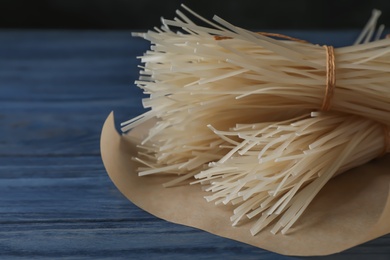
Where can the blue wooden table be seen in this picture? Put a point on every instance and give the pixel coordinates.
(56, 200)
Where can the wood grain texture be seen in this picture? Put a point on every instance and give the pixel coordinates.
(56, 200)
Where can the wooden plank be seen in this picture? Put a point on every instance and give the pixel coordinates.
(72, 202)
(55, 128)
(68, 66)
(55, 189)
(67, 207)
(58, 87)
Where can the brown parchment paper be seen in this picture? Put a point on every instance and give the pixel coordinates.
(351, 209)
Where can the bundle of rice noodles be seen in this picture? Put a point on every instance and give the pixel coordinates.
(233, 108)
(183, 145)
(223, 63)
(275, 169)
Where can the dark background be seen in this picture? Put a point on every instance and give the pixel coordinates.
(142, 14)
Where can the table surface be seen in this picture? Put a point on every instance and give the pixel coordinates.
(56, 200)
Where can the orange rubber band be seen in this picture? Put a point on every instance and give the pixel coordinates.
(330, 78)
